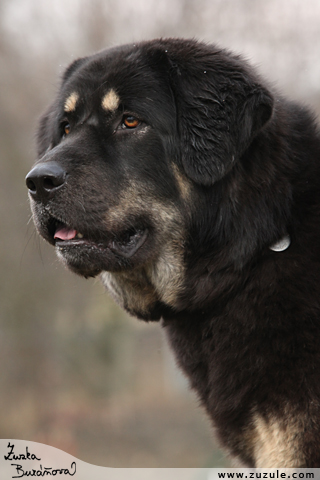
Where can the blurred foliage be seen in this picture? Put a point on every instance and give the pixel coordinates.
(77, 373)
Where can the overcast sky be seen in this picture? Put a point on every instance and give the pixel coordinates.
(282, 36)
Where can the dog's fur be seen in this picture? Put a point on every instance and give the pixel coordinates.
(178, 213)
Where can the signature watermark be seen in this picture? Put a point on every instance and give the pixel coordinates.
(36, 469)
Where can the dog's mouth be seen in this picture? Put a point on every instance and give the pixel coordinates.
(125, 244)
(88, 254)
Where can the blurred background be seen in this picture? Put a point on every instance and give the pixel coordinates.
(76, 372)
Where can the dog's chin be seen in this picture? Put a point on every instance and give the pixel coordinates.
(88, 258)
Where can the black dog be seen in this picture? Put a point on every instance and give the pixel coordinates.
(170, 169)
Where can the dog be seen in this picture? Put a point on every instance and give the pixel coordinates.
(170, 169)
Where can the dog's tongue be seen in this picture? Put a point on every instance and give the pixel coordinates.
(65, 233)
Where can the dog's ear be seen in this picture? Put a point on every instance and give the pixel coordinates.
(221, 106)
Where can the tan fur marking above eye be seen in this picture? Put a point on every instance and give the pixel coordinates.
(110, 101)
(277, 442)
(71, 102)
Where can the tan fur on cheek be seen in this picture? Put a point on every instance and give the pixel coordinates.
(183, 183)
(168, 271)
(161, 278)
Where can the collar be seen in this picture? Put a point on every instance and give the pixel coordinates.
(281, 244)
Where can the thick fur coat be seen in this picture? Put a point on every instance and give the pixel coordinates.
(173, 171)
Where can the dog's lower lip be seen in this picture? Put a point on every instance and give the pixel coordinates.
(74, 241)
(120, 247)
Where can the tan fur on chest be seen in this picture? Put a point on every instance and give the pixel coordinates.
(276, 442)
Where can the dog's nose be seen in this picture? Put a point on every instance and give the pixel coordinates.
(45, 179)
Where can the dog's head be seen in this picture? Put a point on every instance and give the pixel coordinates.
(133, 137)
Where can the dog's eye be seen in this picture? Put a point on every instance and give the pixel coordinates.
(66, 128)
(129, 121)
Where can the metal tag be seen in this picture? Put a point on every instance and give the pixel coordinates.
(282, 244)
